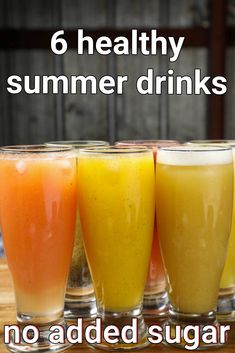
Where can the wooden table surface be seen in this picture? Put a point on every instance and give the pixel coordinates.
(7, 316)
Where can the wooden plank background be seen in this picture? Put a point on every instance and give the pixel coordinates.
(38, 118)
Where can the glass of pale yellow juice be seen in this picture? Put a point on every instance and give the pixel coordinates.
(155, 302)
(116, 195)
(226, 299)
(80, 297)
(194, 200)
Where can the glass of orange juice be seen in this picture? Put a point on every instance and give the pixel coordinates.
(116, 203)
(194, 201)
(80, 297)
(38, 185)
(155, 302)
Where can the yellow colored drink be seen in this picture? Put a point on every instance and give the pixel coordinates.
(228, 276)
(116, 203)
(226, 299)
(194, 196)
(155, 297)
(227, 284)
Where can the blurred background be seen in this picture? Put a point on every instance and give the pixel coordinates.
(26, 28)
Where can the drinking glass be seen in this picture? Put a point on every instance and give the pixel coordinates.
(80, 297)
(1, 245)
(226, 299)
(155, 302)
(194, 200)
(38, 184)
(116, 203)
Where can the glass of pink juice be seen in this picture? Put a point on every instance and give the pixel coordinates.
(155, 295)
(38, 185)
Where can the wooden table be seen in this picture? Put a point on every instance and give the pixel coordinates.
(7, 316)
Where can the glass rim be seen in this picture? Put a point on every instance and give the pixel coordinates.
(114, 149)
(77, 143)
(142, 141)
(212, 142)
(195, 148)
(40, 148)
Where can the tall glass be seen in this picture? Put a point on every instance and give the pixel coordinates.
(38, 184)
(194, 200)
(80, 297)
(155, 302)
(226, 299)
(116, 202)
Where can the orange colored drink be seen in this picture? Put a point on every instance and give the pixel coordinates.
(80, 296)
(38, 196)
(156, 273)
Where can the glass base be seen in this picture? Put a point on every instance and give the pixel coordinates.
(226, 305)
(177, 318)
(120, 320)
(80, 307)
(156, 305)
(43, 344)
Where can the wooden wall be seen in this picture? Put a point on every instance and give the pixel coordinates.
(38, 118)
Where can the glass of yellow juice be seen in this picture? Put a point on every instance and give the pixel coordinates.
(226, 299)
(38, 184)
(116, 193)
(80, 297)
(155, 302)
(194, 201)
